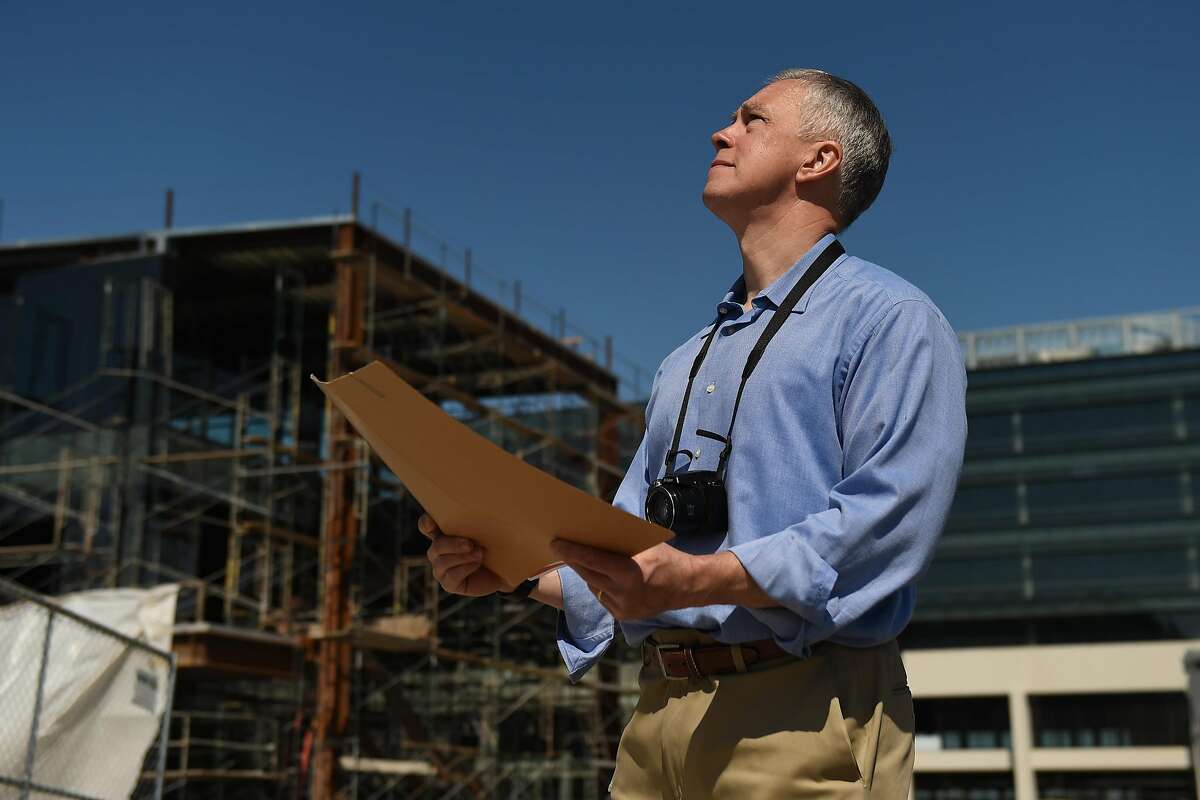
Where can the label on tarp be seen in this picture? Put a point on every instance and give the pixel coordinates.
(145, 690)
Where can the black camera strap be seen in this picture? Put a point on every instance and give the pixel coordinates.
(686, 394)
(815, 270)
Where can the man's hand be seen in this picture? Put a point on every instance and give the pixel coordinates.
(656, 580)
(458, 563)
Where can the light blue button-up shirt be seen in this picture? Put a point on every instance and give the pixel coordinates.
(846, 453)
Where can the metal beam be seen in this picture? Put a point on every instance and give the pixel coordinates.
(496, 378)
(346, 327)
(40, 408)
(484, 342)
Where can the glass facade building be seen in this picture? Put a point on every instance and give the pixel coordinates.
(1069, 570)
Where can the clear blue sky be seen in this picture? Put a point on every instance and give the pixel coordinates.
(1046, 154)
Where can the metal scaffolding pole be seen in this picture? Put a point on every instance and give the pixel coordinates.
(340, 526)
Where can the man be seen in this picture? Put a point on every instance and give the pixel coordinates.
(770, 662)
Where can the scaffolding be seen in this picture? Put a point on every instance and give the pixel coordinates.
(158, 428)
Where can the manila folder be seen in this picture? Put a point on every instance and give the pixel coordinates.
(475, 489)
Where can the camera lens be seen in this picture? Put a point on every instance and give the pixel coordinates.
(659, 508)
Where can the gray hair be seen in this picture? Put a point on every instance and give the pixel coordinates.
(842, 111)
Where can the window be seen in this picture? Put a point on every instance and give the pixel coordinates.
(1093, 426)
(1110, 720)
(1116, 786)
(963, 786)
(970, 723)
(990, 434)
(1104, 499)
(975, 578)
(1113, 572)
(51, 346)
(981, 507)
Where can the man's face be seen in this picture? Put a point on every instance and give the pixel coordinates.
(758, 153)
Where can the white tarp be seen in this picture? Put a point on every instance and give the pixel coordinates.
(103, 700)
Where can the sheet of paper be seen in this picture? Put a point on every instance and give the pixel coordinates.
(474, 488)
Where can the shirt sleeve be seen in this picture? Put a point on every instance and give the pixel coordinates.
(585, 628)
(902, 424)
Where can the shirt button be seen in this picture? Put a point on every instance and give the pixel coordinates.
(710, 388)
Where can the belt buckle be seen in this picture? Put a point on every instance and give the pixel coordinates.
(662, 666)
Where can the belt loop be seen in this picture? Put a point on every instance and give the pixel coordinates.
(739, 661)
(689, 653)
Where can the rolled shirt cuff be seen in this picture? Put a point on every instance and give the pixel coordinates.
(790, 572)
(585, 628)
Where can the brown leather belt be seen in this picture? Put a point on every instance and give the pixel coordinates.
(679, 661)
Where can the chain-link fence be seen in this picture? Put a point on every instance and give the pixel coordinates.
(84, 707)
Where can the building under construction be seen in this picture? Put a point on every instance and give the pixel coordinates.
(157, 424)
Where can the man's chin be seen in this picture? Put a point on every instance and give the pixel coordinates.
(716, 200)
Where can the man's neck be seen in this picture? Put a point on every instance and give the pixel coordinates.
(771, 247)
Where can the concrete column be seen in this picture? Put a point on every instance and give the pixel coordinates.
(1021, 735)
(1191, 663)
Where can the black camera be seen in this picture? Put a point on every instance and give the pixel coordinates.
(689, 503)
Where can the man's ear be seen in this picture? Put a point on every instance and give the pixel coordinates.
(822, 160)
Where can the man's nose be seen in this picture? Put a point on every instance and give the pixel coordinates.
(722, 139)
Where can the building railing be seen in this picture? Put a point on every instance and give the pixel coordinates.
(398, 225)
(1075, 340)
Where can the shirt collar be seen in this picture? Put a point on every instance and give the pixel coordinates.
(779, 288)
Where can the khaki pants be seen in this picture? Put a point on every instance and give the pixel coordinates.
(838, 724)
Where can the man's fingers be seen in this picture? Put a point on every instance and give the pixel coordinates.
(593, 558)
(484, 581)
(428, 527)
(452, 545)
(596, 581)
(453, 558)
(444, 564)
(455, 577)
